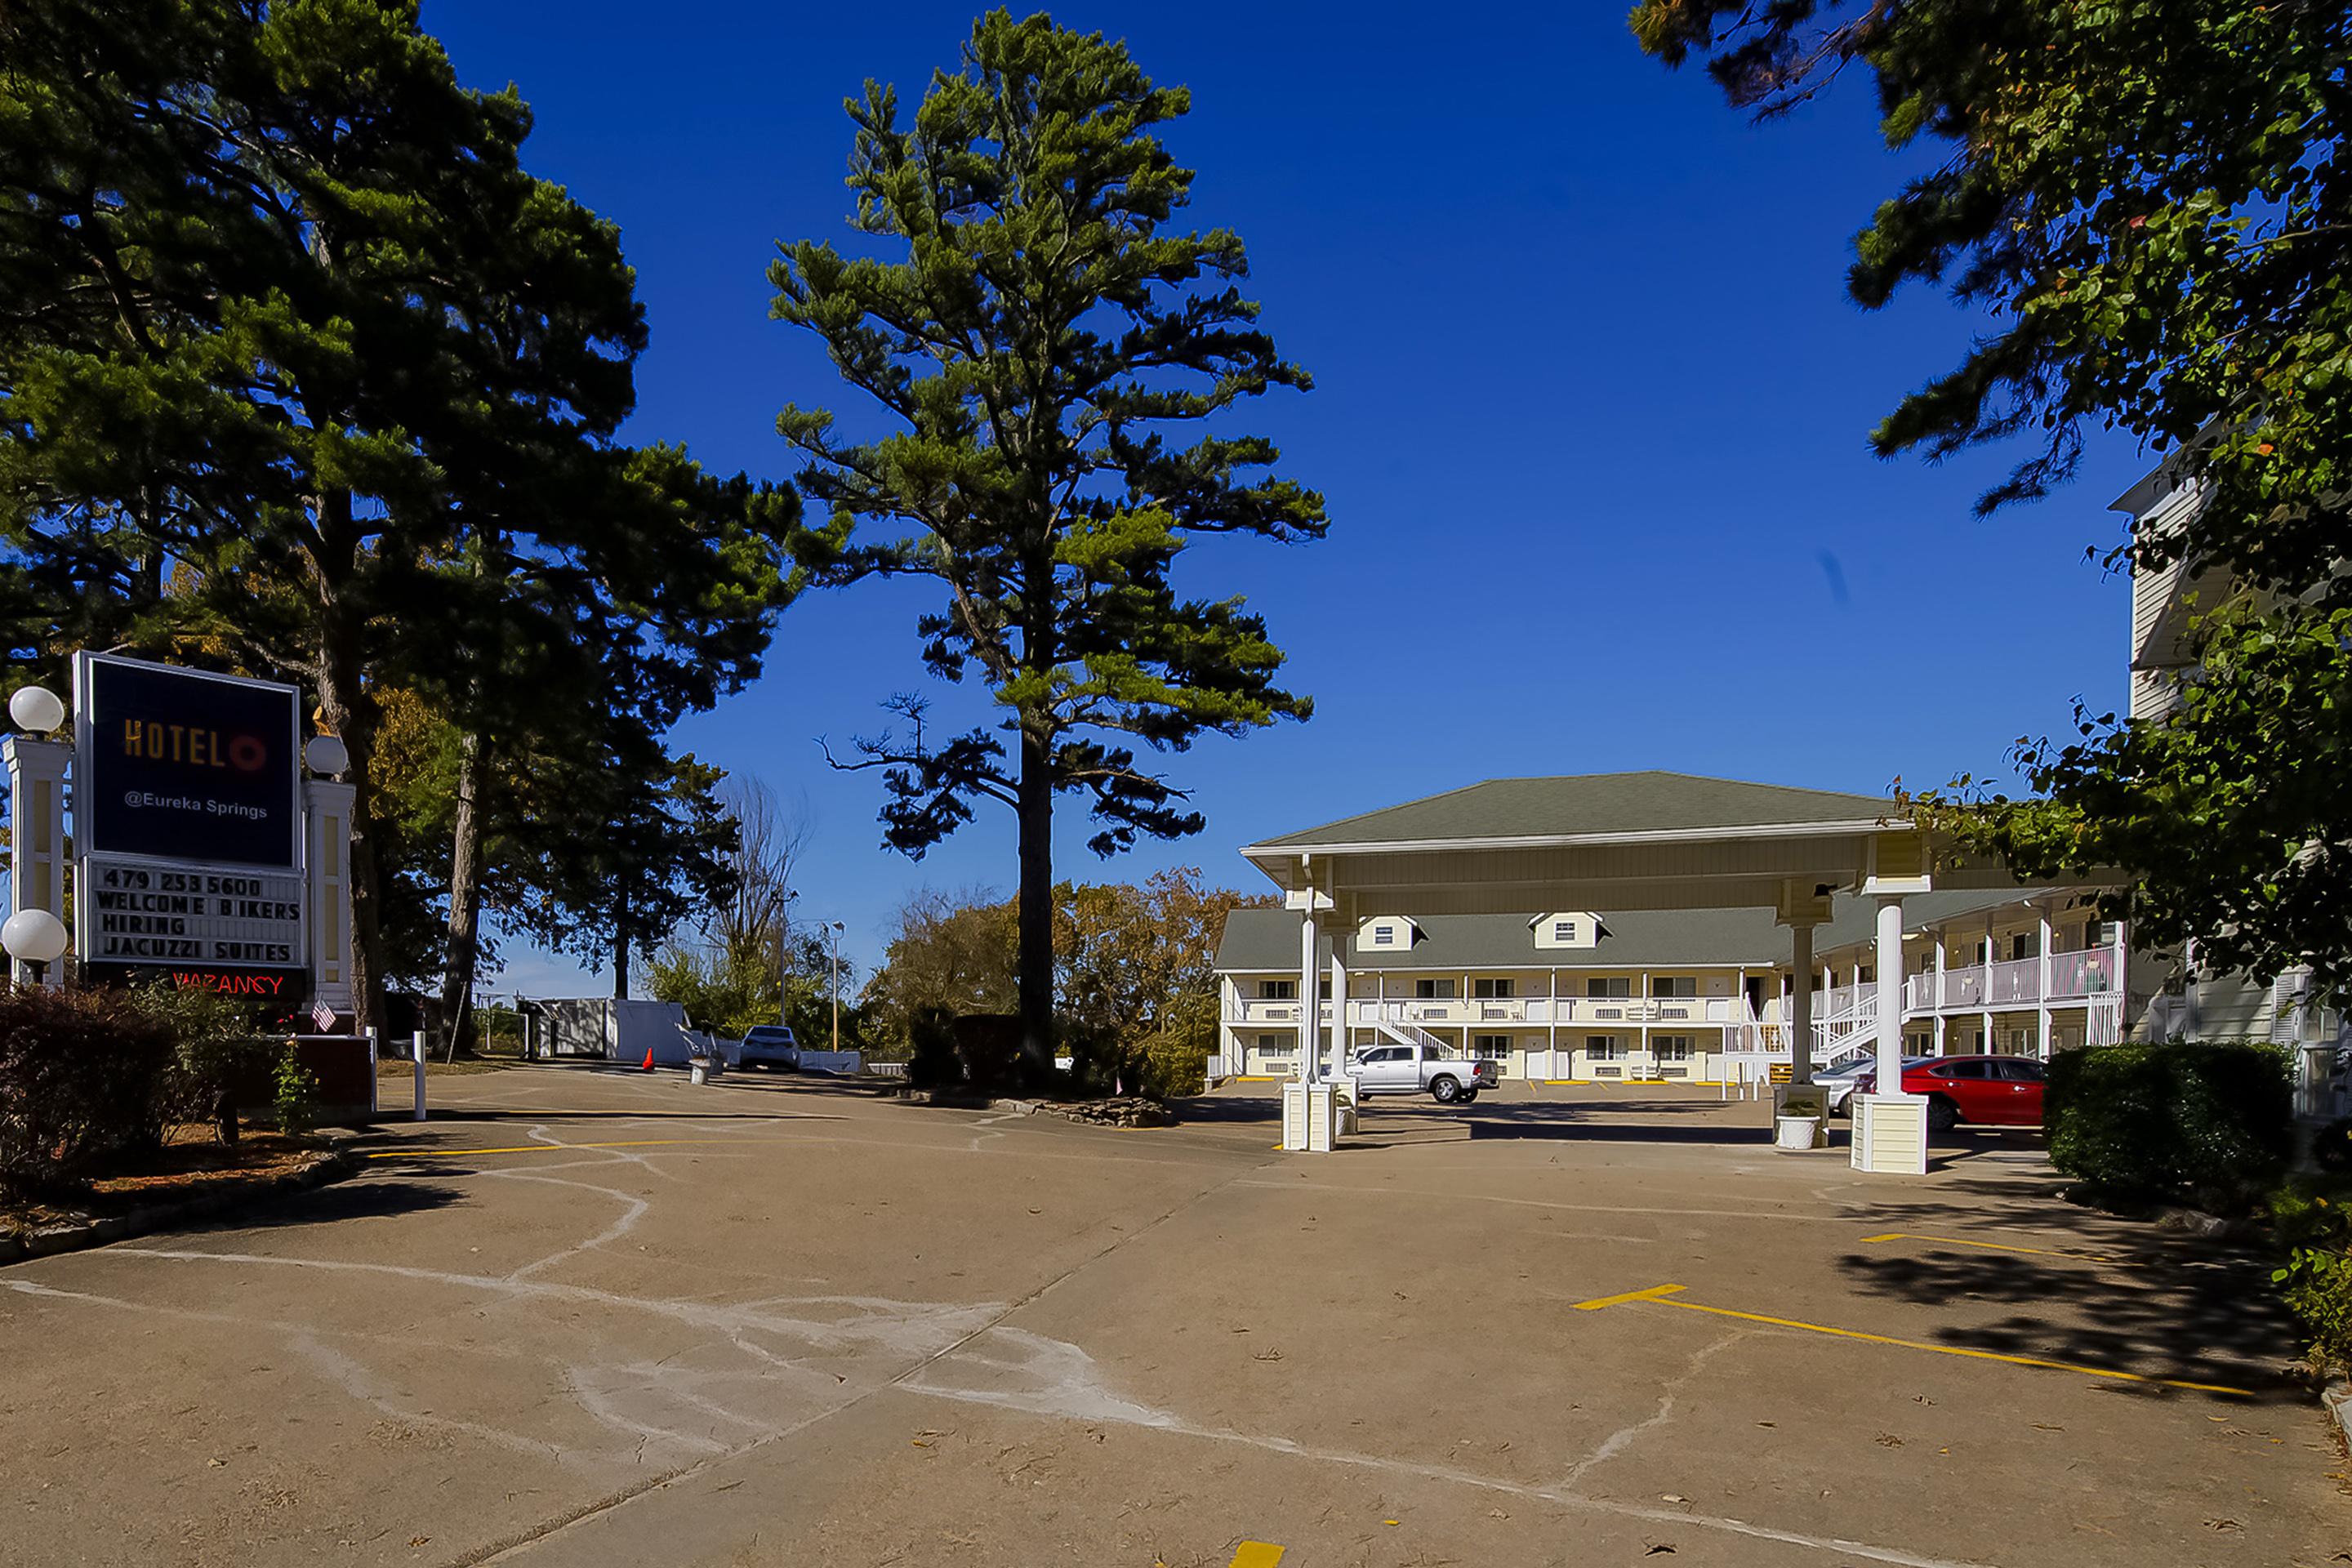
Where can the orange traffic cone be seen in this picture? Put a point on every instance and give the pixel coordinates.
(647, 1065)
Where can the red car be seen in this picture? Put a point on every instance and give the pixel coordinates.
(1996, 1090)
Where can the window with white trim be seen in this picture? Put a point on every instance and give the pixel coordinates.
(1680, 987)
(1498, 989)
(1563, 931)
(1277, 990)
(1602, 1048)
(1433, 990)
(1607, 987)
(1671, 1047)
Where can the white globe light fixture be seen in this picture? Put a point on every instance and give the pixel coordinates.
(34, 936)
(327, 755)
(37, 707)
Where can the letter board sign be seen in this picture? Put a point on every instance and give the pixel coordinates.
(188, 818)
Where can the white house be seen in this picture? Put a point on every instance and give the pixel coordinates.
(2192, 1001)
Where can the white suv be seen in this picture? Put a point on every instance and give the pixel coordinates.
(771, 1045)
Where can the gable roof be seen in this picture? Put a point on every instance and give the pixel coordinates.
(1590, 805)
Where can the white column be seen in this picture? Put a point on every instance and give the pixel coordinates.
(1339, 1004)
(37, 839)
(1984, 1019)
(327, 854)
(1890, 993)
(1307, 1028)
(2041, 983)
(1942, 938)
(1800, 1003)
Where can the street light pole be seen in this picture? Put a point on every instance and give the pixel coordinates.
(833, 933)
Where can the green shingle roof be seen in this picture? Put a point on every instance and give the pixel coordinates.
(1591, 804)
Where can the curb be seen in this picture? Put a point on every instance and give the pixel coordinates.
(2336, 1398)
(74, 1236)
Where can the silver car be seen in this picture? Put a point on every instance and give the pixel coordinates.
(771, 1045)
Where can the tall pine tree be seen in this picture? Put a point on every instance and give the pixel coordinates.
(1041, 340)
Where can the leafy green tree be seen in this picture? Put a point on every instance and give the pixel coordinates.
(2148, 198)
(301, 371)
(1040, 344)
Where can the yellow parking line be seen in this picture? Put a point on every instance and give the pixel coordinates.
(541, 1148)
(2000, 1247)
(1655, 1293)
(1256, 1555)
(1664, 1296)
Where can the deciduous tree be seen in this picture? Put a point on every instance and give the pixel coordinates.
(2149, 201)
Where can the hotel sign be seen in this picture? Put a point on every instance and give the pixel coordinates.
(188, 818)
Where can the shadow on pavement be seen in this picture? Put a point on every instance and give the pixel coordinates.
(2194, 1313)
(327, 1205)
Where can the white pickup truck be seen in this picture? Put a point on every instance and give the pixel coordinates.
(1418, 1069)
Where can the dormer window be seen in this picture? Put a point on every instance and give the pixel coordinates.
(1563, 931)
(1384, 936)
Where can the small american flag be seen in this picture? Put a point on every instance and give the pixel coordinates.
(323, 1016)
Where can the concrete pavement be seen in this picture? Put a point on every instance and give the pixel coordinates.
(595, 1318)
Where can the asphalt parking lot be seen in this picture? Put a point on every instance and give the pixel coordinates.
(595, 1317)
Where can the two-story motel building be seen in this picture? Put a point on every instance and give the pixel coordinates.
(1698, 996)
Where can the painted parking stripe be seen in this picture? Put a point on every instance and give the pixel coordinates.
(2000, 1246)
(1256, 1555)
(1666, 1296)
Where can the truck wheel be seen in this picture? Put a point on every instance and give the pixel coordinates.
(1445, 1090)
(1469, 1096)
(1942, 1115)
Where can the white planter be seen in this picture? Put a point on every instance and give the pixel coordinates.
(698, 1070)
(1795, 1132)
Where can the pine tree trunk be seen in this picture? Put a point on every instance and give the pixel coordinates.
(464, 892)
(621, 948)
(348, 712)
(1036, 909)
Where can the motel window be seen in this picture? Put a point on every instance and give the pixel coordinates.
(1671, 1047)
(1277, 990)
(1678, 986)
(1274, 1044)
(1433, 990)
(1600, 1047)
(2025, 944)
(1323, 990)
(1608, 986)
(1499, 990)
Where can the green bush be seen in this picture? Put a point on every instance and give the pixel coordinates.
(295, 1092)
(2318, 1284)
(2203, 1124)
(83, 1075)
(2331, 1147)
(933, 1062)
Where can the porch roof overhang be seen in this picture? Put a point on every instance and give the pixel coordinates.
(1831, 848)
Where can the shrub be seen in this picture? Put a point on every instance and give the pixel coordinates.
(2331, 1147)
(933, 1062)
(2318, 1284)
(216, 1058)
(83, 1076)
(2206, 1123)
(295, 1092)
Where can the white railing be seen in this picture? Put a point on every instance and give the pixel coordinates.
(2096, 973)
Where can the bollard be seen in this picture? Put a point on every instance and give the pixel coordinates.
(417, 1050)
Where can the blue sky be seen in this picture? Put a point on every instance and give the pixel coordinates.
(1590, 411)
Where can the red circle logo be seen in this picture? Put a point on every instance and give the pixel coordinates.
(247, 753)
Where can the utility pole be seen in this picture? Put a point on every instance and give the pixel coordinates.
(832, 934)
